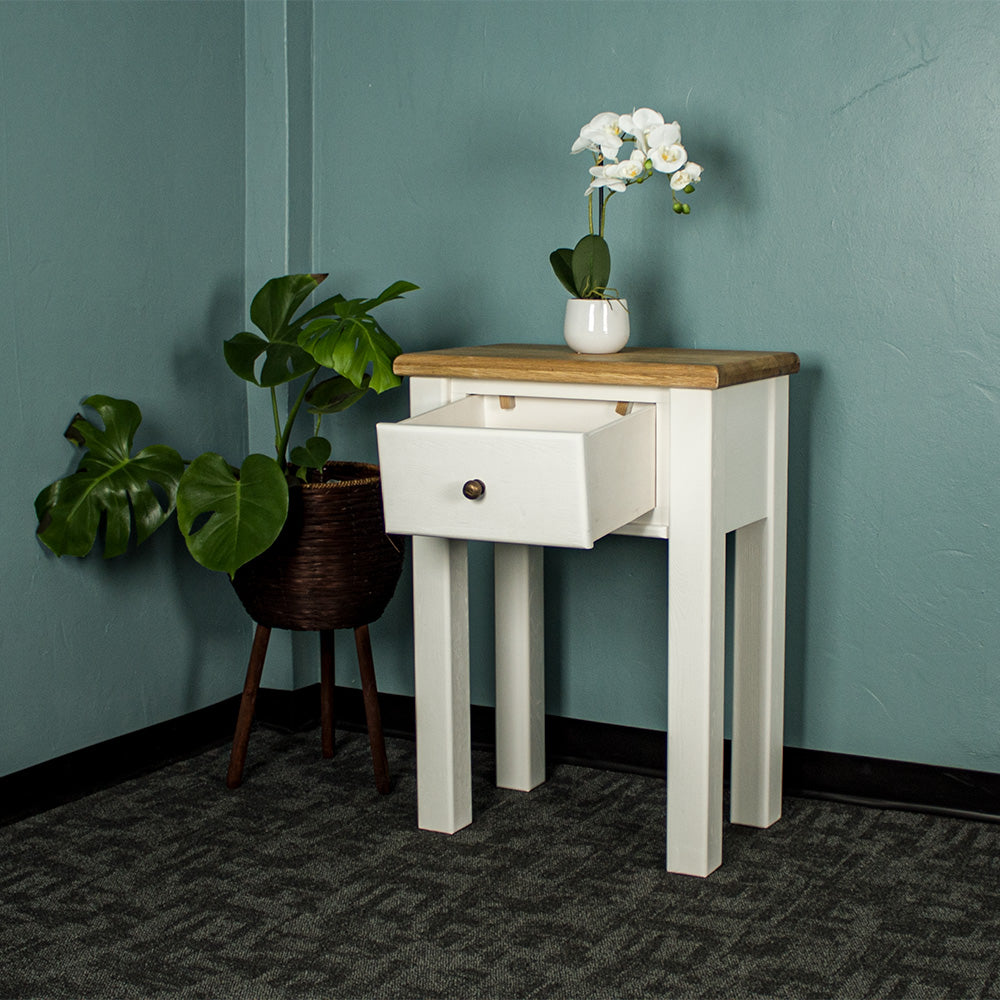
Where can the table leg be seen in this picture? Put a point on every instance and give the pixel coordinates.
(441, 670)
(759, 639)
(695, 634)
(520, 666)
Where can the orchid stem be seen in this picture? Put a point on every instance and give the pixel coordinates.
(599, 160)
(604, 208)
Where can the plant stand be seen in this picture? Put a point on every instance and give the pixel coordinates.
(366, 666)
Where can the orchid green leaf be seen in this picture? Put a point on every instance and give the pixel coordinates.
(562, 264)
(591, 266)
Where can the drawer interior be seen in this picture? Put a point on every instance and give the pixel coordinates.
(529, 413)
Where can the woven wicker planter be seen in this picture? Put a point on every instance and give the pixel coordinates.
(333, 565)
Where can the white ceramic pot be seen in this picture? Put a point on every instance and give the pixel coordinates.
(596, 326)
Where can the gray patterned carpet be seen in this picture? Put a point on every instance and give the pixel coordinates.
(305, 884)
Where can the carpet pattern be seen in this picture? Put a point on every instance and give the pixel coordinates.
(305, 883)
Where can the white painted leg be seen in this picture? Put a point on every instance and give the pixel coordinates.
(520, 666)
(759, 639)
(695, 633)
(441, 669)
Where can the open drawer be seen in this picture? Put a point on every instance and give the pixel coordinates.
(543, 472)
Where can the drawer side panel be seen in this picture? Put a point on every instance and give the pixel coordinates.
(621, 471)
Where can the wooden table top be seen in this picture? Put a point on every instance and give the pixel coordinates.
(659, 366)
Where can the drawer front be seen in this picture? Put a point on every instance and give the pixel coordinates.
(542, 486)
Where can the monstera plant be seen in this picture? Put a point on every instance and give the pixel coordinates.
(227, 515)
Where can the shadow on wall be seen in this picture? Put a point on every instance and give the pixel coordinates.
(803, 390)
(200, 374)
(218, 629)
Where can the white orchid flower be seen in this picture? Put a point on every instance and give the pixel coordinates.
(640, 123)
(691, 174)
(667, 159)
(602, 134)
(651, 146)
(630, 169)
(604, 176)
(664, 135)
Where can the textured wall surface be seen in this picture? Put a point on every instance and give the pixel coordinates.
(121, 269)
(848, 211)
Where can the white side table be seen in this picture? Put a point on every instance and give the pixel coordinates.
(528, 445)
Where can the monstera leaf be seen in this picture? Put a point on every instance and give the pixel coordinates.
(226, 517)
(350, 345)
(351, 339)
(282, 362)
(335, 394)
(314, 454)
(110, 484)
(271, 311)
(274, 305)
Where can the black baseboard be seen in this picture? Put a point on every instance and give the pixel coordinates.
(889, 784)
(867, 781)
(892, 784)
(73, 775)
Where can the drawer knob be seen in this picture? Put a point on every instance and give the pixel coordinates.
(474, 489)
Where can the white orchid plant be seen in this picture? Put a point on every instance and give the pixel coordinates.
(655, 149)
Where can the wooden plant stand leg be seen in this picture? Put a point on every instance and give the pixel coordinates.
(238, 758)
(327, 677)
(373, 716)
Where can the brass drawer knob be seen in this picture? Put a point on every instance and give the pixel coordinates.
(474, 489)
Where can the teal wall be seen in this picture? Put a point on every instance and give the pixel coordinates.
(848, 212)
(121, 271)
